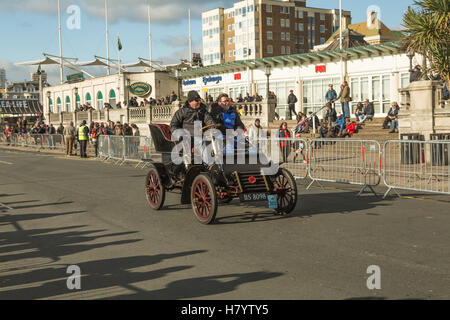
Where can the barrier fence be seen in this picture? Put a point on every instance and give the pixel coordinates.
(417, 166)
(356, 162)
(401, 165)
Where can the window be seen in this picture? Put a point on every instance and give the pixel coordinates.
(229, 28)
(288, 36)
(287, 23)
(68, 104)
(282, 23)
(288, 50)
(283, 36)
(99, 100)
(88, 99)
(299, 14)
(229, 15)
(322, 16)
(230, 53)
(282, 50)
(269, 21)
(50, 107)
(322, 40)
(229, 40)
(269, 8)
(58, 104)
(269, 35)
(112, 98)
(322, 29)
(269, 49)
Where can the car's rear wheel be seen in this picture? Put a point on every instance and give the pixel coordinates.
(154, 189)
(204, 199)
(286, 189)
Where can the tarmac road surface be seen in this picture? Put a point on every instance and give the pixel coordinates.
(57, 212)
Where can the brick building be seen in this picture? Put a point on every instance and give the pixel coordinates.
(254, 29)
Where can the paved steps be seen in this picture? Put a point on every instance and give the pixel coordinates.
(370, 130)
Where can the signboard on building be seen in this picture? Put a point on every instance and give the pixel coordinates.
(75, 77)
(237, 76)
(20, 107)
(140, 89)
(321, 68)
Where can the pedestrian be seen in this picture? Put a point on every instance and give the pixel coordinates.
(292, 100)
(285, 144)
(344, 95)
(331, 94)
(69, 136)
(51, 131)
(95, 133)
(82, 137)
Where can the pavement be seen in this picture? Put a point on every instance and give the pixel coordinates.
(57, 212)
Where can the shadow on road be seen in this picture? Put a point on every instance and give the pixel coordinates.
(95, 275)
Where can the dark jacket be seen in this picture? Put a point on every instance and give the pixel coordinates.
(331, 115)
(186, 116)
(292, 99)
(217, 114)
(368, 110)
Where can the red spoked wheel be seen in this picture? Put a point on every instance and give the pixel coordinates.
(155, 191)
(204, 199)
(286, 189)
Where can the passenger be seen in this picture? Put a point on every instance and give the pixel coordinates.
(225, 115)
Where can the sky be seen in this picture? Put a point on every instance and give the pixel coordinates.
(30, 28)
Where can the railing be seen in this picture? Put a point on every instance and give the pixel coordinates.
(138, 114)
(356, 162)
(417, 166)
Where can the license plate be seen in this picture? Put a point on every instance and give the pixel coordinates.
(273, 201)
(255, 196)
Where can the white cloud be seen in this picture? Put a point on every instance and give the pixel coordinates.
(162, 11)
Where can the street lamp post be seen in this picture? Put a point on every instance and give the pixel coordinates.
(48, 98)
(410, 54)
(177, 75)
(268, 72)
(75, 92)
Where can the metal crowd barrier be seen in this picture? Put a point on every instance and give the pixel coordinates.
(404, 165)
(417, 166)
(125, 148)
(37, 141)
(349, 161)
(293, 155)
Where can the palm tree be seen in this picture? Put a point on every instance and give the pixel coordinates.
(427, 33)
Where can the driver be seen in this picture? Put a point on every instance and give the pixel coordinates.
(193, 110)
(225, 115)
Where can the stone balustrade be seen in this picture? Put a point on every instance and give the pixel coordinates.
(263, 110)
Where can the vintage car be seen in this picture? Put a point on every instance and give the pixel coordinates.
(204, 185)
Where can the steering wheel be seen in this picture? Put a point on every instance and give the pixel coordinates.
(215, 125)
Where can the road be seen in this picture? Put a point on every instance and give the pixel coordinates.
(57, 212)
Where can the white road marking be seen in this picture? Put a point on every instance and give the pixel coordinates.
(5, 162)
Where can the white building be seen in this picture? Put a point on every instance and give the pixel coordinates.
(374, 72)
(108, 89)
(2, 78)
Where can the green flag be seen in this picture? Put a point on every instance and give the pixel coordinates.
(119, 44)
